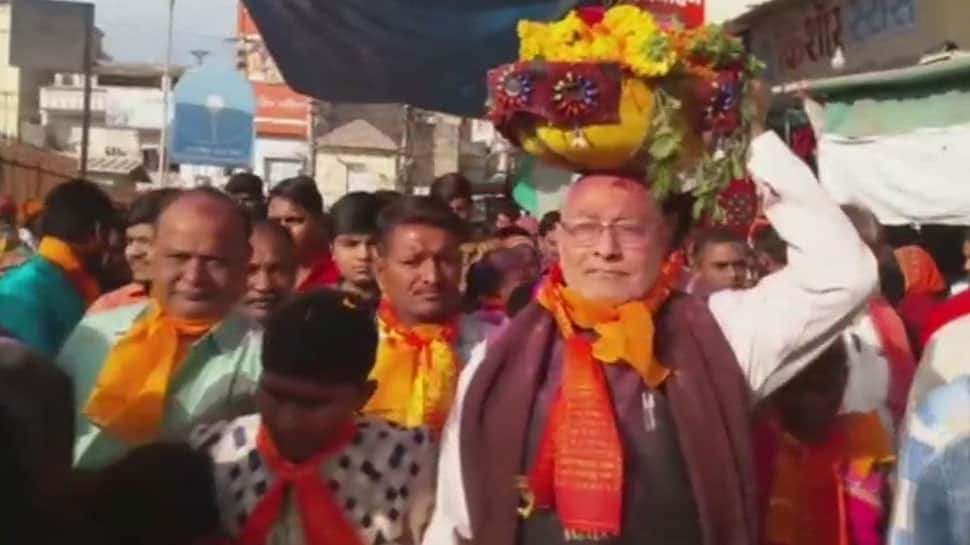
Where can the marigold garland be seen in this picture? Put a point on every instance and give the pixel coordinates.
(631, 37)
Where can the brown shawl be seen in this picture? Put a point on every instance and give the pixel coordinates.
(708, 395)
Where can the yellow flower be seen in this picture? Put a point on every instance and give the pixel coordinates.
(532, 39)
(606, 48)
(568, 40)
(568, 30)
(650, 55)
(624, 21)
(574, 52)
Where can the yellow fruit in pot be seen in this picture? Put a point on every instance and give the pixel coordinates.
(597, 147)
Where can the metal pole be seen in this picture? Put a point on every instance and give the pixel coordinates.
(311, 163)
(88, 76)
(166, 93)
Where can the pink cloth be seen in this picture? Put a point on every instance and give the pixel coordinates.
(866, 515)
(123, 296)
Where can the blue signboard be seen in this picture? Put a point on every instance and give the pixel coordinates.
(214, 114)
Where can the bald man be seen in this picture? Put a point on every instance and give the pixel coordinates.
(154, 369)
(615, 411)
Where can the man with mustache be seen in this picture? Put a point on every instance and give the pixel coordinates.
(272, 270)
(156, 369)
(424, 339)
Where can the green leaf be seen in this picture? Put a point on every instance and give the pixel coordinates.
(663, 184)
(738, 169)
(664, 145)
(700, 206)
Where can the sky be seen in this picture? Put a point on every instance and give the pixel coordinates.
(135, 30)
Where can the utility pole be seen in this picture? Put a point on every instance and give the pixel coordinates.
(166, 94)
(88, 76)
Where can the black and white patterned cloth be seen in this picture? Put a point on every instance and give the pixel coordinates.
(384, 479)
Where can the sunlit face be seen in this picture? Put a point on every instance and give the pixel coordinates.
(114, 265)
(271, 276)
(306, 228)
(139, 239)
(462, 207)
(201, 255)
(549, 246)
(354, 256)
(612, 240)
(723, 265)
(419, 270)
(303, 417)
(502, 221)
(255, 204)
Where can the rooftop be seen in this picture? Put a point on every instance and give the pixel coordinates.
(137, 69)
(357, 134)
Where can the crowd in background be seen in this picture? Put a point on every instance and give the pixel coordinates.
(140, 341)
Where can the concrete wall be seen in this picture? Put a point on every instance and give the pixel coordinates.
(275, 159)
(9, 79)
(801, 40)
(338, 172)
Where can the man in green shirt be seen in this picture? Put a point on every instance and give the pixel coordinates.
(155, 369)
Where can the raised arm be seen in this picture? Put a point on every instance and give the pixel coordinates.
(782, 324)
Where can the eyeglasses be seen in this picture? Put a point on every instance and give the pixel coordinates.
(626, 234)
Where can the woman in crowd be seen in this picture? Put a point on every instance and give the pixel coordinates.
(924, 289)
(297, 205)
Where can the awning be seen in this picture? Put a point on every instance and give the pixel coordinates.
(432, 54)
(893, 102)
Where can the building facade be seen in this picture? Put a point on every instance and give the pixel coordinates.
(126, 121)
(283, 146)
(801, 40)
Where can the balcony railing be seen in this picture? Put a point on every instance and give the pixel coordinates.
(70, 99)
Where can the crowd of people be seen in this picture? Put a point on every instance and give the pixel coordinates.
(243, 367)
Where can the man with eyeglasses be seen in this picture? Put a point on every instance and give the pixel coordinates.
(613, 410)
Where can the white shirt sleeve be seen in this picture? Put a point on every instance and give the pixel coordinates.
(450, 518)
(778, 327)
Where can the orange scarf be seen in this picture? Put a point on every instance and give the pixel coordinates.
(60, 253)
(416, 371)
(579, 469)
(808, 497)
(129, 398)
(323, 521)
(920, 272)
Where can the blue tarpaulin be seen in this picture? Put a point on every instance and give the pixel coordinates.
(432, 54)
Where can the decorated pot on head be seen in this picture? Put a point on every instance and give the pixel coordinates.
(611, 91)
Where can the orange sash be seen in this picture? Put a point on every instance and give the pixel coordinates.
(60, 253)
(323, 521)
(579, 469)
(416, 372)
(129, 398)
